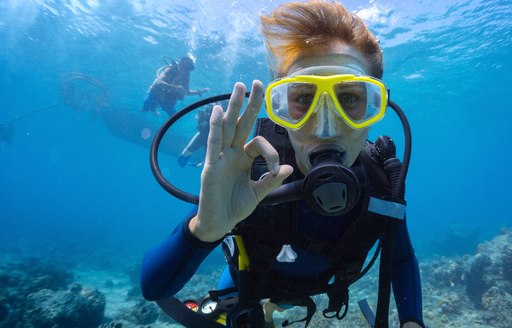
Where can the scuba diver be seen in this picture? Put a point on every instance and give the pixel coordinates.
(298, 208)
(199, 140)
(171, 85)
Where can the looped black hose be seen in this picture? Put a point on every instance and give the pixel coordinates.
(407, 145)
(393, 168)
(397, 173)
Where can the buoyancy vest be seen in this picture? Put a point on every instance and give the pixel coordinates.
(269, 228)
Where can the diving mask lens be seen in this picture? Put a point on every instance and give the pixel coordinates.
(291, 102)
(360, 100)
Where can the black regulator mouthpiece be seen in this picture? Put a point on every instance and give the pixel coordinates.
(330, 188)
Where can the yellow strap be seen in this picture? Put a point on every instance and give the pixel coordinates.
(243, 258)
(222, 319)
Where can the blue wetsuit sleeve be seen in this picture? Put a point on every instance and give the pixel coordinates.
(406, 279)
(168, 266)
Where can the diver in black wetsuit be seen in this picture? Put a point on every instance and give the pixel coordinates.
(199, 140)
(171, 85)
(282, 251)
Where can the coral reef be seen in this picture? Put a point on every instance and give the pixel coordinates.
(498, 305)
(446, 272)
(122, 324)
(82, 308)
(506, 259)
(476, 278)
(143, 313)
(34, 293)
(472, 290)
(490, 267)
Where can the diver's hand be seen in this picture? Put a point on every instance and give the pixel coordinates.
(228, 195)
(201, 91)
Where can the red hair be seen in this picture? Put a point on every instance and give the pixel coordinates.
(296, 28)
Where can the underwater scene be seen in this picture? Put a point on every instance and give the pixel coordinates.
(83, 195)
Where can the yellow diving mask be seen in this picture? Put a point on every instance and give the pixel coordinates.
(360, 100)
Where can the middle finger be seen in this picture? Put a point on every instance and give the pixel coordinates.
(246, 121)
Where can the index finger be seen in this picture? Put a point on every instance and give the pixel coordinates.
(246, 121)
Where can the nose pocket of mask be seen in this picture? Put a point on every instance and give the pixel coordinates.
(327, 117)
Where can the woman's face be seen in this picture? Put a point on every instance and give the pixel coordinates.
(325, 127)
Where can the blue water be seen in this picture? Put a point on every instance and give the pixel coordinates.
(67, 181)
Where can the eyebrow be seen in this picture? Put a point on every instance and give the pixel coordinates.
(351, 84)
(301, 88)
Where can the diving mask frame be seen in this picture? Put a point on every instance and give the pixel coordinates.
(300, 95)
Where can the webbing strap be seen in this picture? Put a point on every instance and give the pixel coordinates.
(386, 208)
(367, 312)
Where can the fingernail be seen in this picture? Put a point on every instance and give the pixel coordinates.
(239, 86)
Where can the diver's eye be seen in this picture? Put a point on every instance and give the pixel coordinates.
(305, 100)
(348, 99)
(353, 105)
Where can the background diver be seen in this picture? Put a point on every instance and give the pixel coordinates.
(199, 139)
(171, 85)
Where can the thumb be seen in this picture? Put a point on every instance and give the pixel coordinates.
(271, 182)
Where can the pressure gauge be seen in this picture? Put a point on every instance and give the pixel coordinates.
(208, 307)
(191, 304)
